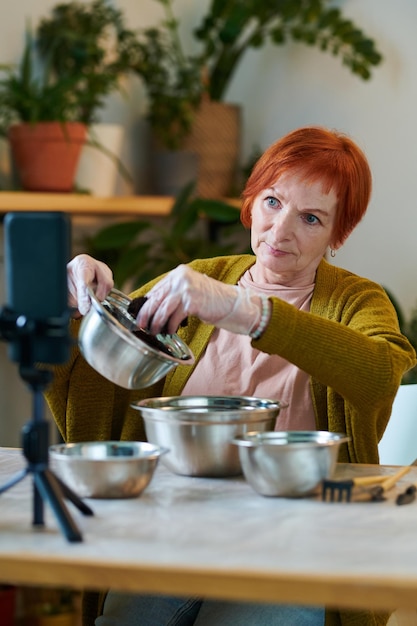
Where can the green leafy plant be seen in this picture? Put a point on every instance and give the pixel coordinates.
(28, 94)
(173, 80)
(88, 41)
(143, 249)
(231, 27)
(71, 62)
(408, 327)
(176, 82)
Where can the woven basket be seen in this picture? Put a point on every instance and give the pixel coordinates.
(216, 139)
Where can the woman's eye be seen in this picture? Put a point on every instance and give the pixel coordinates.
(272, 202)
(311, 219)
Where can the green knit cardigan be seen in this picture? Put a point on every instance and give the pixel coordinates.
(349, 343)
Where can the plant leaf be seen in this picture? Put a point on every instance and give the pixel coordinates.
(118, 235)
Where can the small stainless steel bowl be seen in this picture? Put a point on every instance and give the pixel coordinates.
(288, 463)
(198, 430)
(108, 343)
(105, 469)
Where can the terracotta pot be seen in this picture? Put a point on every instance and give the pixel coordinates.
(216, 138)
(46, 154)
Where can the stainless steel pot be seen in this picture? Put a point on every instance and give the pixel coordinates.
(108, 342)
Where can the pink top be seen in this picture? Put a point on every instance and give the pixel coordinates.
(256, 373)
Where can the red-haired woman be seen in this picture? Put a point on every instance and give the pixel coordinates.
(280, 323)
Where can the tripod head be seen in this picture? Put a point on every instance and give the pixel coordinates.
(24, 333)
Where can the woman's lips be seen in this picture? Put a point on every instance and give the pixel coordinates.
(277, 251)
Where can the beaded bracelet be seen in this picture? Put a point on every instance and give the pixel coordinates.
(265, 315)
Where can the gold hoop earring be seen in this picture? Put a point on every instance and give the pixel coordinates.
(332, 253)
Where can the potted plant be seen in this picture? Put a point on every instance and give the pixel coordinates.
(143, 249)
(174, 90)
(38, 116)
(90, 40)
(173, 80)
(75, 59)
(185, 91)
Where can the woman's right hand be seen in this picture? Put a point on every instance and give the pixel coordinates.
(83, 271)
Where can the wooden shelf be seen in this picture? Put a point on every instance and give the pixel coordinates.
(81, 204)
(86, 205)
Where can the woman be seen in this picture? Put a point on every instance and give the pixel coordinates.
(282, 323)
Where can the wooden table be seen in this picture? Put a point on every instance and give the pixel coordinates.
(218, 538)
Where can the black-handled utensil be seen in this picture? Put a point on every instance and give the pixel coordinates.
(407, 496)
(334, 490)
(341, 490)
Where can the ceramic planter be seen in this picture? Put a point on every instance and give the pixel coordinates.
(172, 170)
(46, 154)
(98, 170)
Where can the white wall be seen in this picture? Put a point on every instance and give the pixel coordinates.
(283, 88)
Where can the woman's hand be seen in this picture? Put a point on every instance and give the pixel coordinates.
(83, 271)
(187, 292)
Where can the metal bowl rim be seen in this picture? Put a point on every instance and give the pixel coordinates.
(254, 409)
(135, 341)
(271, 439)
(145, 449)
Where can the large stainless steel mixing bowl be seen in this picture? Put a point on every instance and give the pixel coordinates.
(106, 469)
(109, 344)
(198, 430)
(288, 463)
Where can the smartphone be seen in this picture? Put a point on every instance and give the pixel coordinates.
(36, 253)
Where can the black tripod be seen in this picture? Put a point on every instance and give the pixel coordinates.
(35, 434)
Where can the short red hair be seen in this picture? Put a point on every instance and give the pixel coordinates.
(320, 154)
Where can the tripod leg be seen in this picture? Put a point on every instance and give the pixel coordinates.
(72, 497)
(38, 509)
(49, 490)
(14, 480)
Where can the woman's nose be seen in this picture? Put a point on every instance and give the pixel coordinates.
(283, 224)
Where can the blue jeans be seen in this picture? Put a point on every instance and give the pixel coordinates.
(122, 609)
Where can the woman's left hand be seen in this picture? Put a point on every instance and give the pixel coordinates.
(186, 292)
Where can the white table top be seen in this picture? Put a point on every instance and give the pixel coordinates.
(219, 538)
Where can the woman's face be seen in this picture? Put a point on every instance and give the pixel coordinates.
(292, 225)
